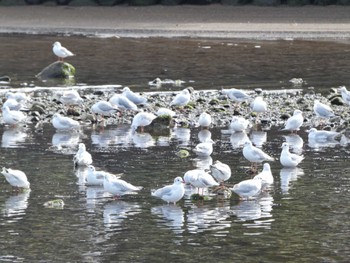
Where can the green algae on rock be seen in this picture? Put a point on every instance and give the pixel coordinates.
(57, 70)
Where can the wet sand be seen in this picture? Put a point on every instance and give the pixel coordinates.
(212, 21)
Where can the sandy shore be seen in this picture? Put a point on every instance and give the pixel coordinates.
(212, 21)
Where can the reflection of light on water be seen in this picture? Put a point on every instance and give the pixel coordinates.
(13, 137)
(15, 206)
(173, 216)
(258, 138)
(143, 140)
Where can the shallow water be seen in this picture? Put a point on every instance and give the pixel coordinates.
(304, 217)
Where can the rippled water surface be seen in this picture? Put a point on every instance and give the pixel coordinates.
(303, 218)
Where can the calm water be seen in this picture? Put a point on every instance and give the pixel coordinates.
(303, 218)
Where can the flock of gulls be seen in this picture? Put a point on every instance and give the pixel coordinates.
(215, 178)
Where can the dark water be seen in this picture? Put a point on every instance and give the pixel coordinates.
(304, 218)
(203, 64)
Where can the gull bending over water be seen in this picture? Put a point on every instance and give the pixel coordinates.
(61, 52)
(16, 178)
(118, 187)
(142, 119)
(220, 171)
(171, 193)
(94, 177)
(64, 123)
(289, 159)
(122, 102)
(248, 188)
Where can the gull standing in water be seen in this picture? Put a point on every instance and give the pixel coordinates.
(265, 175)
(294, 123)
(171, 193)
(61, 52)
(254, 154)
(322, 135)
(82, 157)
(289, 159)
(64, 123)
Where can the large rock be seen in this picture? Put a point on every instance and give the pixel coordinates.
(57, 70)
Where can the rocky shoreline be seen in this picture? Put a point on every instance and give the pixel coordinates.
(281, 105)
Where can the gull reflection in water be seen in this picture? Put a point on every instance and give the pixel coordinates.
(296, 142)
(202, 218)
(115, 212)
(258, 138)
(238, 139)
(13, 137)
(204, 135)
(67, 139)
(143, 140)
(203, 162)
(15, 206)
(120, 135)
(81, 173)
(289, 175)
(95, 195)
(182, 136)
(174, 217)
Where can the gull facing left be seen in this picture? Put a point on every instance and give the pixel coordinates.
(61, 52)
